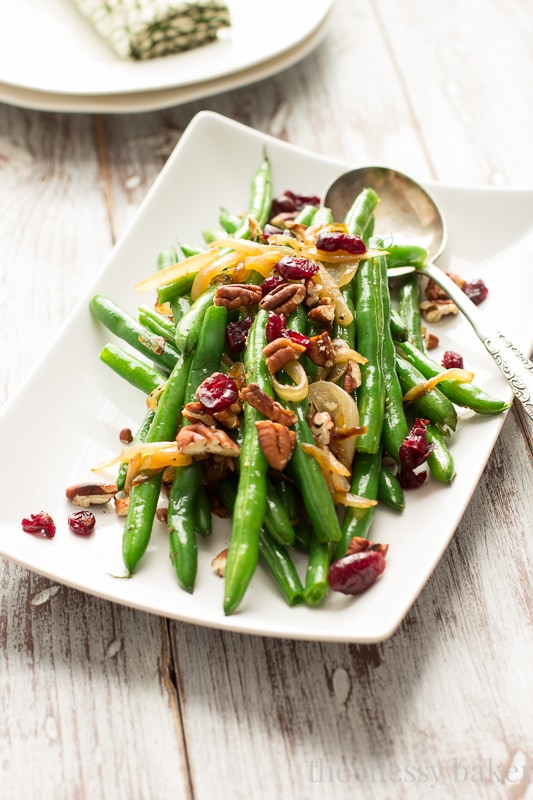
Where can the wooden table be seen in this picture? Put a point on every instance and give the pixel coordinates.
(99, 701)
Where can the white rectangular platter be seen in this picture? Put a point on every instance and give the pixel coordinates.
(77, 406)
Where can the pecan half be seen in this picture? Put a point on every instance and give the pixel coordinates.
(284, 299)
(352, 378)
(219, 562)
(276, 441)
(87, 494)
(280, 351)
(323, 314)
(198, 439)
(270, 408)
(321, 427)
(321, 350)
(435, 310)
(236, 295)
(360, 545)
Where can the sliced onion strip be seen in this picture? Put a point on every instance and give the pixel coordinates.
(189, 266)
(343, 315)
(454, 374)
(292, 392)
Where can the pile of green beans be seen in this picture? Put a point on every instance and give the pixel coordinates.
(279, 518)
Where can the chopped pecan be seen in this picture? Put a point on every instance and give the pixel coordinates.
(122, 503)
(321, 350)
(219, 562)
(86, 494)
(195, 412)
(352, 377)
(360, 545)
(236, 295)
(323, 314)
(434, 292)
(198, 439)
(270, 408)
(312, 296)
(280, 351)
(284, 299)
(435, 310)
(229, 417)
(321, 427)
(276, 441)
(430, 340)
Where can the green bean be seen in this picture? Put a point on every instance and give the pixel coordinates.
(179, 306)
(316, 576)
(306, 472)
(432, 405)
(203, 513)
(395, 427)
(359, 219)
(189, 327)
(229, 222)
(405, 255)
(186, 486)
(275, 556)
(136, 372)
(144, 495)
(357, 521)
(277, 521)
(398, 327)
(157, 323)
(390, 491)
(370, 332)
(409, 310)
(467, 395)
(251, 501)
(306, 215)
(127, 328)
(168, 292)
(440, 460)
(168, 257)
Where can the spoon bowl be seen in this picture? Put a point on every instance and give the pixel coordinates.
(407, 214)
(405, 211)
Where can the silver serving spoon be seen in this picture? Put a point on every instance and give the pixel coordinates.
(407, 210)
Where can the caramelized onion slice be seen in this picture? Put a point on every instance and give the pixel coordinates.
(328, 396)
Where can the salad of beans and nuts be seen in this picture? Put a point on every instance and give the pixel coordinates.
(286, 391)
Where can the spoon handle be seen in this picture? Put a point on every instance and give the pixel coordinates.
(515, 366)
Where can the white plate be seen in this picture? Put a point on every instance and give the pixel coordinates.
(140, 101)
(50, 47)
(491, 235)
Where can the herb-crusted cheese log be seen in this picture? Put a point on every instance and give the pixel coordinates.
(141, 29)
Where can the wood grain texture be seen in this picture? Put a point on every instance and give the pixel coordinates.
(98, 701)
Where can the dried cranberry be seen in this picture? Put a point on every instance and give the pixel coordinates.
(82, 523)
(275, 326)
(237, 334)
(40, 524)
(291, 201)
(330, 241)
(295, 268)
(452, 360)
(356, 572)
(409, 479)
(475, 290)
(270, 283)
(297, 338)
(217, 392)
(415, 448)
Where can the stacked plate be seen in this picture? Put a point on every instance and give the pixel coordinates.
(51, 59)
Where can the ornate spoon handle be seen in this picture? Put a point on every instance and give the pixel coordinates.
(514, 365)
